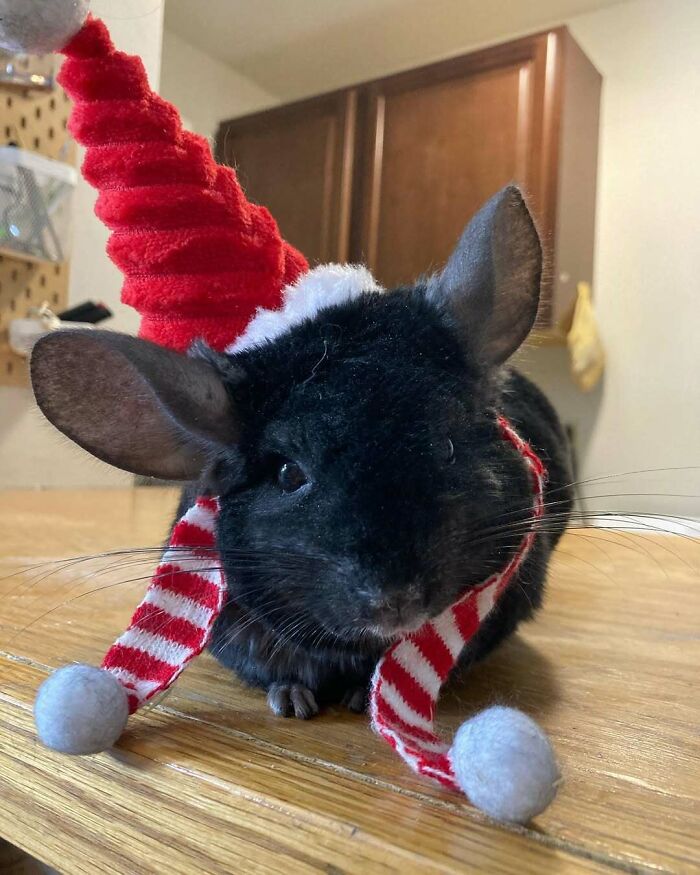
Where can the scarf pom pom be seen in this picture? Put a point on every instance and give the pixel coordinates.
(505, 764)
(80, 709)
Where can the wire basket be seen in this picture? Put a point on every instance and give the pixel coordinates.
(35, 205)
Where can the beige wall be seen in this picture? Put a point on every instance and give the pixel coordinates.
(204, 90)
(647, 278)
(32, 453)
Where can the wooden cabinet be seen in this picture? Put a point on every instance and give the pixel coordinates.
(389, 172)
(297, 160)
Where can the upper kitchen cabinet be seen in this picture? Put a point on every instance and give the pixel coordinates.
(388, 173)
(297, 160)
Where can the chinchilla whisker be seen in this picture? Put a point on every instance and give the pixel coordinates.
(575, 483)
(91, 591)
(579, 514)
(232, 633)
(632, 526)
(259, 612)
(70, 560)
(63, 604)
(622, 539)
(524, 591)
(527, 509)
(496, 562)
(572, 484)
(580, 560)
(296, 621)
(635, 543)
(636, 523)
(317, 642)
(39, 597)
(39, 578)
(158, 550)
(585, 482)
(124, 559)
(576, 512)
(75, 598)
(590, 499)
(554, 522)
(591, 523)
(303, 624)
(280, 643)
(237, 629)
(317, 638)
(322, 636)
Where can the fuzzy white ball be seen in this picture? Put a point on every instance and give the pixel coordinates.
(505, 764)
(37, 27)
(80, 709)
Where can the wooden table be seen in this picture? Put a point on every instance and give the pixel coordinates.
(209, 781)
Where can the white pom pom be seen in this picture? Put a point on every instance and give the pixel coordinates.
(80, 709)
(40, 26)
(505, 764)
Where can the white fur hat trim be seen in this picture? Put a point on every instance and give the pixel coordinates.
(325, 286)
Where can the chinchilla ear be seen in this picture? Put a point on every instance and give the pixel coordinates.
(131, 403)
(490, 287)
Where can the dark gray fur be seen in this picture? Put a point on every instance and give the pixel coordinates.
(385, 411)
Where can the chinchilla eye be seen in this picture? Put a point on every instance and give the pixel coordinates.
(290, 476)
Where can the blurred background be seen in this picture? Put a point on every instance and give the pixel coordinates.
(389, 122)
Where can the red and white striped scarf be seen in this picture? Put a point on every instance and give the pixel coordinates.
(173, 623)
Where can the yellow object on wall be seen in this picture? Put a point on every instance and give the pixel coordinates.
(583, 340)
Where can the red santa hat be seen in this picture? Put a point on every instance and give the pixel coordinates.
(198, 258)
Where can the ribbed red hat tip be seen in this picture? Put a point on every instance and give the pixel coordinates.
(197, 256)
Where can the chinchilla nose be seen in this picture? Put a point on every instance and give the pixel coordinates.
(397, 607)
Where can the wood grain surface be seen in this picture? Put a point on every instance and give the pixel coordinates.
(209, 781)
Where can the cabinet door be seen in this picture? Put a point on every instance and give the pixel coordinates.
(440, 141)
(297, 161)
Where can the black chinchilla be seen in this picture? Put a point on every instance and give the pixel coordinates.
(362, 479)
